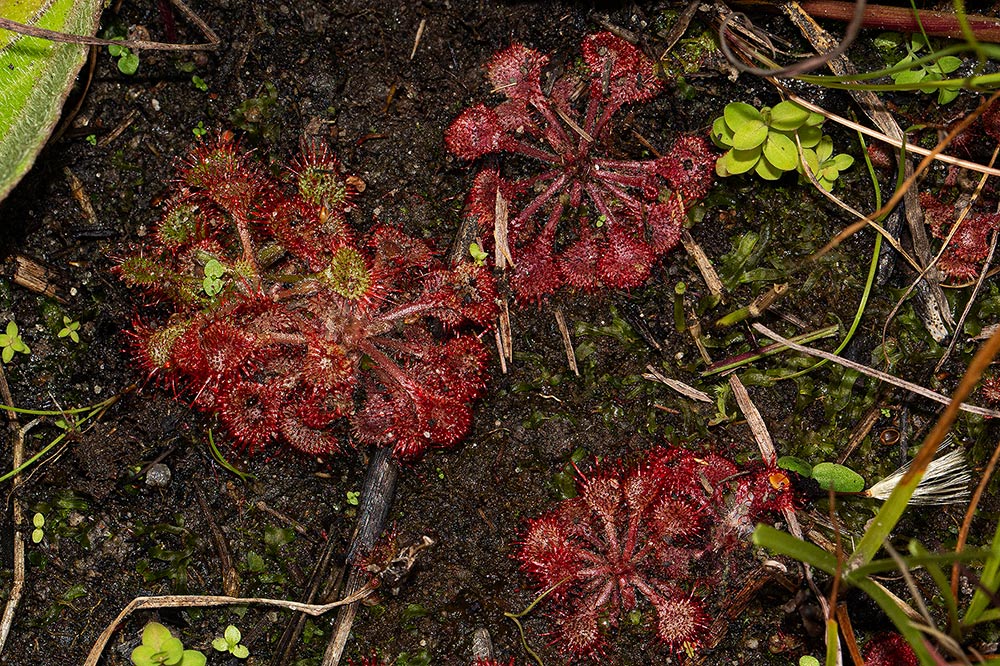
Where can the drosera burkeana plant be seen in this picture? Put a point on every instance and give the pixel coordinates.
(589, 218)
(279, 318)
(643, 540)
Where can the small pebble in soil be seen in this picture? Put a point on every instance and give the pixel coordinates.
(158, 476)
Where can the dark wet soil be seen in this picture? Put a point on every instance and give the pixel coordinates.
(347, 72)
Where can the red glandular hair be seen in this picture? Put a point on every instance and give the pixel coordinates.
(628, 541)
(293, 328)
(585, 219)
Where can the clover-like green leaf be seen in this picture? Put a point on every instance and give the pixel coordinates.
(747, 124)
(948, 64)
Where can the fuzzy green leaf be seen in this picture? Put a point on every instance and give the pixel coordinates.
(840, 478)
(36, 75)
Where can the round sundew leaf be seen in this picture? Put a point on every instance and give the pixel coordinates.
(740, 161)
(840, 478)
(797, 465)
(788, 116)
(766, 170)
(750, 135)
(780, 151)
(722, 135)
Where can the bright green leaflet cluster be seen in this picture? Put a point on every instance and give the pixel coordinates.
(12, 343)
(70, 329)
(128, 62)
(827, 474)
(212, 284)
(38, 522)
(764, 141)
(230, 642)
(160, 648)
(927, 72)
(478, 254)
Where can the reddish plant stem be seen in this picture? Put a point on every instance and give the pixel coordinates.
(902, 19)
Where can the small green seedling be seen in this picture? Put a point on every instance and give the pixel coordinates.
(936, 70)
(764, 141)
(128, 62)
(92, 139)
(230, 642)
(199, 83)
(12, 343)
(352, 497)
(69, 329)
(37, 534)
(212, 284)
(478, 255)
(161, 648)
(199, 130)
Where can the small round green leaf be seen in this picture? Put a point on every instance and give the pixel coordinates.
(780, 151)
(38, 520)
(240, 652)
(37, 535)
(843, 161)
(233, 635)
(128, 63)
(192, 658)
(221, 644)
(840, 478)
(788, 116)
(740, 161)
(722, 135)
(949, 64)
(797, 465)
(750, 135)
(909, 76)
(155, 635)
(766, 170)
(738, 115)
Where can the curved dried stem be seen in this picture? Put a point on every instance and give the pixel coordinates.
(801, 67)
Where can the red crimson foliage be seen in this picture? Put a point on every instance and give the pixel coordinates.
(588, 218)
(274, 314)
(637, 537)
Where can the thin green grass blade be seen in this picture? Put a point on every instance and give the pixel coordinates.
(989, 579)
(36, 75)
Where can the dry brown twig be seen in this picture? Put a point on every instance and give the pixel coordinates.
(137, 44)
